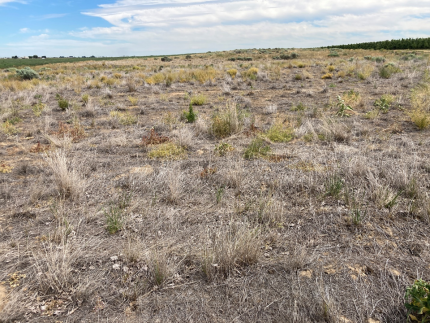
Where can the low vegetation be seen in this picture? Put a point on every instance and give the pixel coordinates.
(256, 185)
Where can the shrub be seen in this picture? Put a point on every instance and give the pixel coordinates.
(278, 133)
(252, 73)
(190, 116)
(257, 148)
(199, 99)
(333, 53)
(421, 118)
(188, 57)
(63, 104)
(166, 59)
(27, 73)
(388, 70)
(154, 139)
(418, 301)
(327, 76)
(232, 72)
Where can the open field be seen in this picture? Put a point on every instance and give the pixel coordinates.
(10, 62)
(295, 190)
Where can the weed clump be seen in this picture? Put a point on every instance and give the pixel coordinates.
(190, 116)
(154, 139)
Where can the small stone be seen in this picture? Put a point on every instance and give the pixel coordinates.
(116, 266)
(114, 258)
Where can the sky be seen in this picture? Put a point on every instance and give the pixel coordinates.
(156, 27)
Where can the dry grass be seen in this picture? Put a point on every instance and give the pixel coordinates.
(162, 220)
(67, 179)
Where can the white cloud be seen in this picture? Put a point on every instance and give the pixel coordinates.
(24, 30)
(142, 27)
(186, 25)
(3, 2)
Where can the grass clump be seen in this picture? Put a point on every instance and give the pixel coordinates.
(257, 148)
(168, 150)
(124, 118)
(333, 186)
(227, 121)
(199, 99)
(63, 104)
(114, 219)
(190, 116)
(279, 133)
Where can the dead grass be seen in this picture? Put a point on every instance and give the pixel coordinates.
(330, 225)
(67, 179)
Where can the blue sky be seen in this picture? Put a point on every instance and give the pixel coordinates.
(145, 27)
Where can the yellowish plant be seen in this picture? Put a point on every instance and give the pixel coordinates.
(327, 76)
(117, 75)
(133, 100)
(364, 71)
(9, 129)
(232, 72)
(125, 118)
(330, 68)
(421, 118)
(168, 150)
(280, 133)
(37, 109)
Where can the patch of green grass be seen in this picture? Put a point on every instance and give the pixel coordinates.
(279, 133)
(333, 186)
(114, 219)
(257, 148)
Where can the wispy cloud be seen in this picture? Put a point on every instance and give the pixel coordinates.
(252, 23)
(52, 16)
(4, 2)
(24, 30)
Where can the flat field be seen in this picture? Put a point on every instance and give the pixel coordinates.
(293, 190)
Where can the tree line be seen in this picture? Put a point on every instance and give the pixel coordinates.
(404, 43)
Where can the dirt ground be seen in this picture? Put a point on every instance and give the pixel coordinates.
(299, 194)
